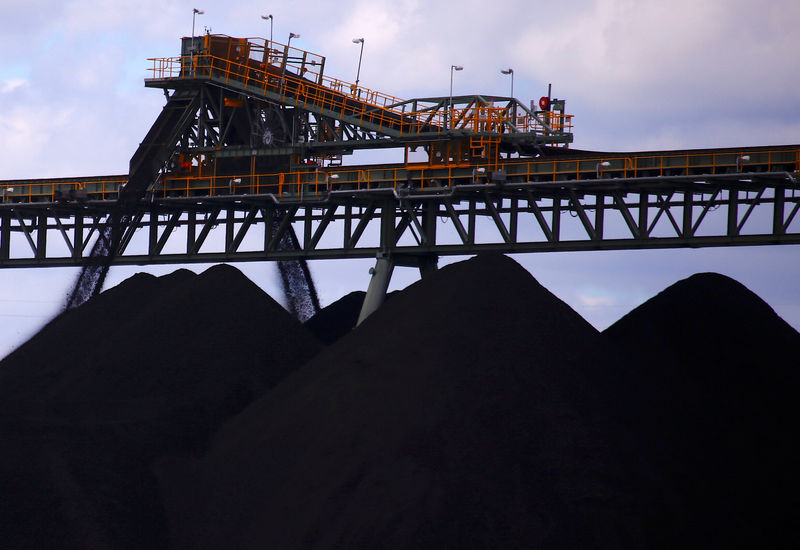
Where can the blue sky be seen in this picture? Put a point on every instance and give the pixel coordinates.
(637, 75)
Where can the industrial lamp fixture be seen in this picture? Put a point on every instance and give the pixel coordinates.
(360, 55)
(511, 72)
(600, 166)
(453, 68)
(195, 13)
(265, 17)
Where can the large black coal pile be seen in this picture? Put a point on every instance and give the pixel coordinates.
(148, 368)
(462, 414)
(473, 410)
(716, 379)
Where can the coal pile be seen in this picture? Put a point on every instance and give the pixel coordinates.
(715, 379)
(473, 410)
(337, 319)
(462, 414)
(149, 368)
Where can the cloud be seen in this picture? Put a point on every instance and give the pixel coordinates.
(635, 69)
(11, 84)
(595, 301)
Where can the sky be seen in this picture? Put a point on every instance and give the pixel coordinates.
(636, 75)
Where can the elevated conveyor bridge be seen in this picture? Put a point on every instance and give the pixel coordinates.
(249, 147)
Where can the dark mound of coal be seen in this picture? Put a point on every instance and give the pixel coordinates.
(715, 409)
(462, 414)
(148, 368)
(337, 319)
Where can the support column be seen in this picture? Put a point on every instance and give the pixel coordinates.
(5, 236)
(378, 285)
(733, 213)
(428, 265)
(777, 213)
(41, 237)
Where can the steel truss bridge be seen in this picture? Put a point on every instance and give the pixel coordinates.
(249, 149)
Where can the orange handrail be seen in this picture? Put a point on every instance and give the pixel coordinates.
(359, 177)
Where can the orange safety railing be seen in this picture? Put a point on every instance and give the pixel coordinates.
(55, 191)
(318, 181)
(553, 122)
(290, 73)
(307, 183)
(366, 106)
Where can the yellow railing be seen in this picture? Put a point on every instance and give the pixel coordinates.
(336, 96)
(288, 73)
(308, 183)
(55, 191)
(315, 182)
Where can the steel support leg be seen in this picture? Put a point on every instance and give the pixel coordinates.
(378, 285)
(428, 265)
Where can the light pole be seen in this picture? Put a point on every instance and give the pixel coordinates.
(358, 73)
(265, 17)
(452, 68)
(288, 44)
(601, 165)
(511, 72)
(286, 57)
(195, 13)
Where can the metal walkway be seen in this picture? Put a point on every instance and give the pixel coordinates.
(747, 208)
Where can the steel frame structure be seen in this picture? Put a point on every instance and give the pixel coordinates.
(261, 116)
(603, 214)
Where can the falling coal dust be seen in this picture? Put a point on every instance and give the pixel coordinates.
(298, 286)
(93, 275)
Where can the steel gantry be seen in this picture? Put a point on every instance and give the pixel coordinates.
(249, 146)
(406, 222)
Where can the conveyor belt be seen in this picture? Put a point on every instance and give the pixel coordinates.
(576, 165)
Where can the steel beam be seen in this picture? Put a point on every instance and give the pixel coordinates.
(529, 217)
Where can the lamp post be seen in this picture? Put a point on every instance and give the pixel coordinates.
(195, 13)
(265, 17)
(740, 160)
(286, 57)
(511, 72)
(288, 44)
(452, 68)
(358, 73)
